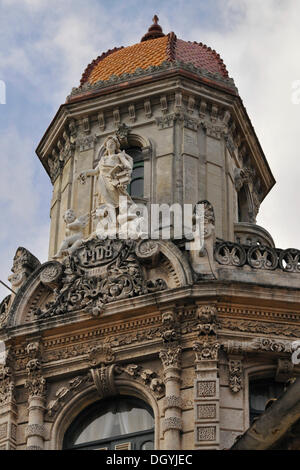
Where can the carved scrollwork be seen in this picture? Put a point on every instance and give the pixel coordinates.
(289, 260)
(257, 256)
(66, 392)
(51, 274)
(146, 249)
(235, 375)
(146, 376)
(262, 257)
(101, 354)
(97, 273)
(266, 344)
(230, 254)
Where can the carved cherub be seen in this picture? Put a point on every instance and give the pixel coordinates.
(74, 233)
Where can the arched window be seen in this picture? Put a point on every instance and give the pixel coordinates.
(136, 187)
(121, 423)
(260, 392)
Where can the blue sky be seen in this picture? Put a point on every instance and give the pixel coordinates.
(45, 46)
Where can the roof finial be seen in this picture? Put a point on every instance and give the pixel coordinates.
(154, 31)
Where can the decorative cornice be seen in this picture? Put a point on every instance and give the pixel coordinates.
(152, 71)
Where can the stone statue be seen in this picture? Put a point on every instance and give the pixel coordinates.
(113, 174)
(74, 233)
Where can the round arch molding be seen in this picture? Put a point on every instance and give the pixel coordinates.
(163, 267)
(89, 395)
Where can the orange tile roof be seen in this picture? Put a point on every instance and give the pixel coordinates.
(153, 52)
(128, 59)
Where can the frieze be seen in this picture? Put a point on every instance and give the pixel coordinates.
(260, 327)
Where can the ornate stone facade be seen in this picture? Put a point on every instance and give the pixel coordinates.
(184, 323)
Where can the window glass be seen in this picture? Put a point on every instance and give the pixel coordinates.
(111, 419)
(260, 392)
(136, 187)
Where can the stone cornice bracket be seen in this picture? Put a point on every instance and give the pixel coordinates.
(207, 321)
(103, 374)
(104, 380)
(170, 331)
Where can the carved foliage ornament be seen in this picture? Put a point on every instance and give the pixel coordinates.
(66, 392)
(97, 273)
(146, 376)
(171, 357)
(7, 386)
(235, 375)
(206, 351)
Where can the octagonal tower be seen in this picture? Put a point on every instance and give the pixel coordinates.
(174, 107)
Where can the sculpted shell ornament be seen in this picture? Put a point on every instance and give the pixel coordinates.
(100, 272)
(52, 273)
